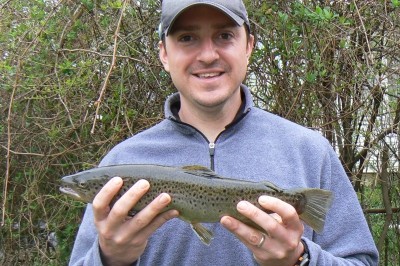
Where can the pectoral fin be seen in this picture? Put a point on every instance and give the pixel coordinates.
(203, 233)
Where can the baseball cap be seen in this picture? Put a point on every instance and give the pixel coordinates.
(171, 9)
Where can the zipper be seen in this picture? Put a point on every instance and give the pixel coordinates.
(211, 145)
(211, 149)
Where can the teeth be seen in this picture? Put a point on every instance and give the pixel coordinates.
(208, 75)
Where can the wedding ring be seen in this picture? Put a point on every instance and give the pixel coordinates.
(262, 240)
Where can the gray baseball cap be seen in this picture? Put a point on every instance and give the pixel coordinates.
(171, 9)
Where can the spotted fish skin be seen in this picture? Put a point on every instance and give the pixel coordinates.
(199, 194)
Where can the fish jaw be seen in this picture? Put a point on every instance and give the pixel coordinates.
(71, 192)
(75, 186)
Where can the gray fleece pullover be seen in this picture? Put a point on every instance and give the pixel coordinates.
(257, 146)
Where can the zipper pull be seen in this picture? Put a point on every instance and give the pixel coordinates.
(211, 146)
(211, 149)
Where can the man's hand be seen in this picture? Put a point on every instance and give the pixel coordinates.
(281, 244)
(123, 239)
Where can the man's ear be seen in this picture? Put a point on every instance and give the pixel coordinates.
(163, 55)
(250, 45)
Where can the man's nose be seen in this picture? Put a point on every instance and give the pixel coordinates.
(208, 51)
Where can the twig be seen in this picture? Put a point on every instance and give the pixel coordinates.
(100, 54)
(4, 4)
(114, 59)
(8, 156)
(10, 107)
(69, 117)
(76, 15)
(370, 57)
(65, 151)
(21, 153)
(377, 211)
(384, 175)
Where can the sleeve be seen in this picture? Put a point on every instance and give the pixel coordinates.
(86, 250)
(86, 247)
(346, 239)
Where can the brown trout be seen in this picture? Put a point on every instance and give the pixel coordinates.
(199, 194)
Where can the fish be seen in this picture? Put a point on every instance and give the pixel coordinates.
(198, 193)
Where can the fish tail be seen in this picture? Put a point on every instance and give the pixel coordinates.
(317, 204)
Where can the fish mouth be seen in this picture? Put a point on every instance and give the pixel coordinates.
(69, 191)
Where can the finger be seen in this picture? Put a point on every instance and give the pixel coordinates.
(287, 213)
(150, 212)
(148, 220)
(258, 216)
(101, 203)
(154, 216)
(128, 200)
(246, 234)
(276, 217)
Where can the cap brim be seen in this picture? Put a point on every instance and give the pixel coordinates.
(238, 20)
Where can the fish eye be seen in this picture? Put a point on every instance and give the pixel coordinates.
(82, 184)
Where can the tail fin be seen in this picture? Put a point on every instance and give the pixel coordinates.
(318, 202)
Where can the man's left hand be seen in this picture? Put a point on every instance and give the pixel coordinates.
(280, 243)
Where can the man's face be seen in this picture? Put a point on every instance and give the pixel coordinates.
(206, 54)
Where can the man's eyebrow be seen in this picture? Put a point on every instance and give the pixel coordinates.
(225, 25)
(184, 28)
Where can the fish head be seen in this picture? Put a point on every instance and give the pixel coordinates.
(82, 186)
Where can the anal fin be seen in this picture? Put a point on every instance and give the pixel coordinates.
(203, 233)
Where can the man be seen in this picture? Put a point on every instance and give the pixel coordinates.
(211, 121)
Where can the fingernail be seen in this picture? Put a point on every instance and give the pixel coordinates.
(242, 205)
(163, 198)
(263, 199)
(143, 184)
(227, 222)
(117, 180)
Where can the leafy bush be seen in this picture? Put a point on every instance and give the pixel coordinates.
(77, 77)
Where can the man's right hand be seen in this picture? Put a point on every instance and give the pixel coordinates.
(122, 238)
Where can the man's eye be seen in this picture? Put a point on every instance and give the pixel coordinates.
(226, 36)
(186, 38)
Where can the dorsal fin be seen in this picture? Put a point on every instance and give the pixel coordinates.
(200, 171)
(272, 186)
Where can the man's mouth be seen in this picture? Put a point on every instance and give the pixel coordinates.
(209, 75)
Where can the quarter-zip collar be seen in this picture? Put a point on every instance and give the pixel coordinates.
(172, 106)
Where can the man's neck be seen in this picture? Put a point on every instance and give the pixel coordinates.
(210, 121)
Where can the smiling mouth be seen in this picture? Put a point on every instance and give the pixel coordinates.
(209, 75)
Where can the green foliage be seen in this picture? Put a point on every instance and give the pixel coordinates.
(332, 66)
(372, 197)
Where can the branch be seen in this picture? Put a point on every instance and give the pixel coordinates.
(386, 197)
(65, 151)
(382, 135)
(10, 107)
(4, 4)
(114, 60)
(377, 211)
(21, 153)
(8, 156)
(100, 54)
(370, 57)
(77, 14)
